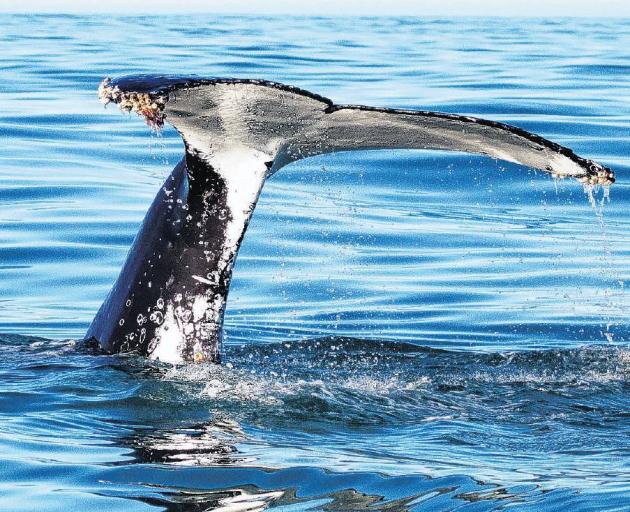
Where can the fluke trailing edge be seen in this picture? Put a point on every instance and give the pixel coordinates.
(169, 300)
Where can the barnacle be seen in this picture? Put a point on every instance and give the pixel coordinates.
(150, 106)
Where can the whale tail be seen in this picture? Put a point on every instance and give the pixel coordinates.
(169, 300)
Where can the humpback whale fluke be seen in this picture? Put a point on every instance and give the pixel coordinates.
(169, 300)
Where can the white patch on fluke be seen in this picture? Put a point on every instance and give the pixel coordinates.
(169, 339)
(202, 280)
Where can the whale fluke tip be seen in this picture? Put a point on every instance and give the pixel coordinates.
(599, 175)
(149, 105)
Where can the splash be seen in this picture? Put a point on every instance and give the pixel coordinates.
(355, 381)
(607, 268)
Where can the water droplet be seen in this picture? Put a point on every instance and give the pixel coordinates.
(157, 317)
(153, 344)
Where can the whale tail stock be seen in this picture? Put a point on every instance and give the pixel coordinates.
(169, 300)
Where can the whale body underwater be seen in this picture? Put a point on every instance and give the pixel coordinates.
(169, 300)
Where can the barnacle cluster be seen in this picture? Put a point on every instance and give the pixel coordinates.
(598, 175)
(148, 105)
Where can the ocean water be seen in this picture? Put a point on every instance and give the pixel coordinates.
(406, 330)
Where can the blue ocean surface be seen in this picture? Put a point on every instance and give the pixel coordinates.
(406, 330)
